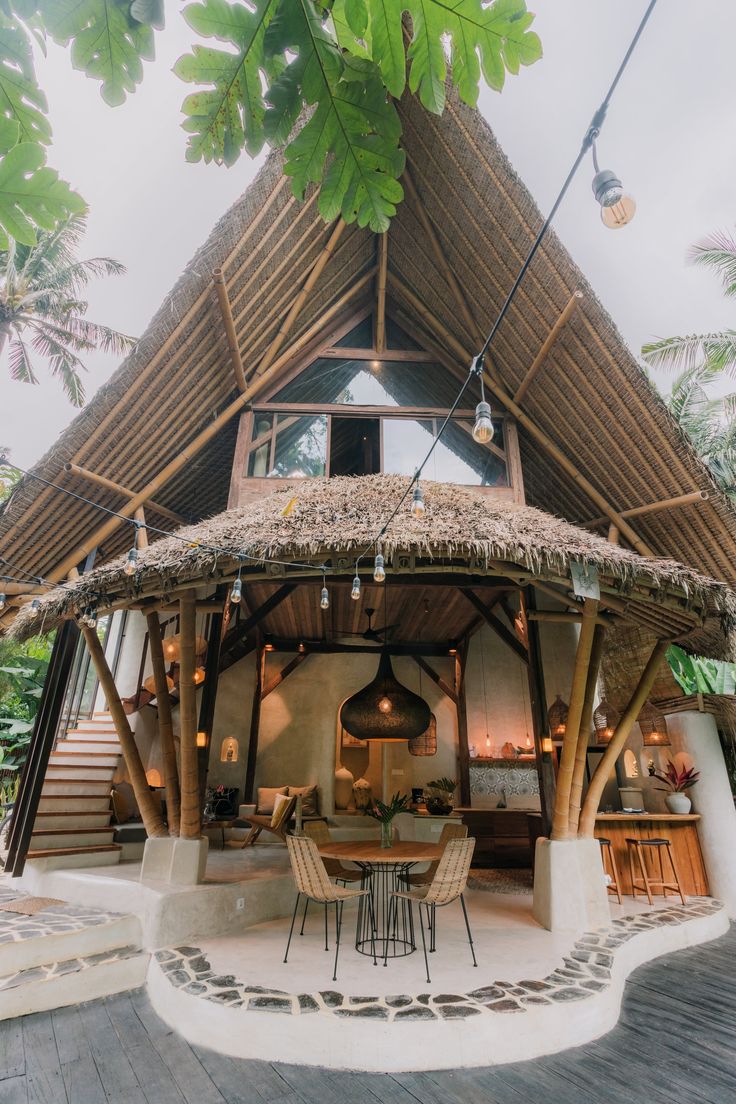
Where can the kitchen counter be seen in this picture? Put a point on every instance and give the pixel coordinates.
(680, 829)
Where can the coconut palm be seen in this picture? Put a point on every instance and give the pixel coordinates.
(42, 310)
(702, 361)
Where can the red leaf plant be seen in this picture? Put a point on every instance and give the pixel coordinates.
(677, 781)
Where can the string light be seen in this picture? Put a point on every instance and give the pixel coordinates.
(417, 501)
(355, 592)
(236, 593)
(2, 601)
(324, 598)
(379, 570)
(132, 561)
(36, 604)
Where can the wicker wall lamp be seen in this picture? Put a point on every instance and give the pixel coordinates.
(385, 709)
(605, 720)
(653, 726)
(557, 718)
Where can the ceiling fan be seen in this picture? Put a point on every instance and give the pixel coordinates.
(374, 635)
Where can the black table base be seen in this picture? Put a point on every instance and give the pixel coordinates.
(382, 879)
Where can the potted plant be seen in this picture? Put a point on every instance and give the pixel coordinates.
(385, 813)
(676, 782)
(440, 800)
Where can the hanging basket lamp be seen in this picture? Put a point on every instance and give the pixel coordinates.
(557, 718)
(384, 709)
(426, 744)
(653, 726)
(605, 721)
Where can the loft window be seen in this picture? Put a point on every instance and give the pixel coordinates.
(288, 445)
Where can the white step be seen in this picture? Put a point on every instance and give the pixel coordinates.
(114, 930)
(90, 734)
(72, 818)
(73, 802)
(74, 982)
(71, 858)
(54, 838)
(76, 787)
(86, 773)
(69, 754)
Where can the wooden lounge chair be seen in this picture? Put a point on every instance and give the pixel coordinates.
(258, 824)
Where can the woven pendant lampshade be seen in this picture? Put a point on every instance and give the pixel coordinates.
(384, 709)
(149, 684)
(653, 726)
(426, 744)
(605, 719)
(557, 718)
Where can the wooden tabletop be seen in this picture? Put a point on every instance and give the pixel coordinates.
(370, 851)
(658, 818)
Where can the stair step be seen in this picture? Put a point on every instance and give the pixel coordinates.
(56, 839)
(83, 745)
(90, 732)
(72, 982)
(83, 772)
(72, 818)
(92, 759)
(60, 852)
(52, 803)
(62, 932)
(85, 787)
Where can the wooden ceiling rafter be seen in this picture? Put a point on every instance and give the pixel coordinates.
(565, 315)
(112, 485)
(379, 329)
(691, 498)
(447, 690)
(230, 334)
(497, 626)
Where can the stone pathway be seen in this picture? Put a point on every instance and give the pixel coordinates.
(586, 970)
(15, 927)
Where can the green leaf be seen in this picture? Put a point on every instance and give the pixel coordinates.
(22, 103)
(387, 43)
(356, 16)
(106, 42)
(31, 195)
(150, 12)
(229, 115)
(347, 38)
(352, 138)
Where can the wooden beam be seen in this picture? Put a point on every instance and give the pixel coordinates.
(284, 673)
(496, 624)
(693, 498)
(190, 821)
(455, 347)
(255, 723)
(461, 663)
(216, 631)
(566, 617)
(347, 352)
(306, 289)
(586, 724)
(165, 724)
(618, 740)
(111, 485)
(23, 590)
(538, 709)
(255, 618)
(380, 323)
(140, 517)
(565, 314)
(326, 647)
(230, 332)
(436, 678)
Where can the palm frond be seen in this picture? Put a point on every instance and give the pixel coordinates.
(19, 361)
(103, 337)
(718, 252)
(682, 354)
(45, 331)
(64, 364)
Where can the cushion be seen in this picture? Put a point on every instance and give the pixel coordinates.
(278, 804)
(266, 798)
(310, 802)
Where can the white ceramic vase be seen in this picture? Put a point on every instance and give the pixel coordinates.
(678, 803)
(343, 787)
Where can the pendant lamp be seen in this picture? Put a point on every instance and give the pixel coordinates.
(384, 709)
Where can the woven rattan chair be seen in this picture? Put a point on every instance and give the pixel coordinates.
(313, 882)
(258, 824)
(425, 877)
(343, 875)
(447, 885)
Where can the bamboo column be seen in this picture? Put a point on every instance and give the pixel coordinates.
(561, 815)
(149, 806)
(165, 724)
(586, 721)
(189, 824)
(619, 738)
(255, 721)
(461, 664)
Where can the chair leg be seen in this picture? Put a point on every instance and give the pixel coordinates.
(614, 871)
(291, 929)
(304, 917)
(372, 922)
(433, 938)
(630, 850)
(467, 927)
(251, 837)
(424, 941)
(338, 926)
(680, 890)
(391, 906)
(644, 872)
(326, 943)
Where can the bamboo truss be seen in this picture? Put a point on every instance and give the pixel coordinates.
(568, 310)
(230, 332)
(380, 323)
(190, 823)
(165, 724)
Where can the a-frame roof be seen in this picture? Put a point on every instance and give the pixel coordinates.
(589, 400)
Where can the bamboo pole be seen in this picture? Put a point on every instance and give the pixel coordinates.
(586, 723)
(561, 814)
(565, 617)
(165, 724)
(195, 446)
(189, 824)
(140, 517)
(149, 807)
(691, 499)
(507, 401)
(566, 313)
(230, 333)
(300, 300)
(615, 747)
(111, 485)
(380, 329)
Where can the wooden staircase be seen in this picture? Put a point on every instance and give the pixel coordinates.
(72, 825)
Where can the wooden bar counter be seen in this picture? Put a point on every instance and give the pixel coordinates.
(681, 830)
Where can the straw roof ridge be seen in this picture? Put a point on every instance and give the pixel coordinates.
(341, 516)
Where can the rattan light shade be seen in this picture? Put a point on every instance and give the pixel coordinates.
(605, 719)
(653, 726)
(557, 718)
(426, 744)
(384, 709)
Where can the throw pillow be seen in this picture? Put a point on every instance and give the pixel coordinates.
(308, 794)
(278, 806)
(267, 797)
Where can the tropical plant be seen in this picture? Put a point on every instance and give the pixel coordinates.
(443, 785)
(698, 675)
(676, 780)
(702, 361)
(337, 64)
(386, 811)
(42, 310)
(23, 669)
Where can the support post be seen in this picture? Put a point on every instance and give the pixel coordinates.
(538, 708)
(379, 339)
(190, 825)
(208, 701)
(461, 661)
(232, 337)
(149, 806)
(586, 723)
(165, 724)
(255, 722)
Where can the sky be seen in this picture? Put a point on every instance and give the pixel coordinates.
(669, 136)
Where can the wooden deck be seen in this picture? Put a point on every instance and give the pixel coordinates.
(676, 1040)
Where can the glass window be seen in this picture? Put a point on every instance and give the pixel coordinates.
(456, 459)
(301, 446)
(374, 383)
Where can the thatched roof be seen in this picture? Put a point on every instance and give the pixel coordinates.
(321, 521)
(590, 397)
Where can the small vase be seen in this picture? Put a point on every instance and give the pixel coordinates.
(386, 834)
(678, 803)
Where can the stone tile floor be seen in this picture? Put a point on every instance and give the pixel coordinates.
(15, 927)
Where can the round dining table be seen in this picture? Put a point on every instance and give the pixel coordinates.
(384, 870)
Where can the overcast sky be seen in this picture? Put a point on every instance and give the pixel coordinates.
(669, 136)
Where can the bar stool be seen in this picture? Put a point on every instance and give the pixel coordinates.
(646, 883)
(614, 885)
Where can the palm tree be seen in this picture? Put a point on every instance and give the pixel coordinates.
(41, 306)
(702, 361)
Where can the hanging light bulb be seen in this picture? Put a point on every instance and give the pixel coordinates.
(355, 592)
(324, 598)
(417, 501)
(131, 562)
(385, 705)
(236, 593)
(198, 676)
(3, 601)
(92, 617)
(617, 208)
(36, 604)
(483, 428)
(379, 570)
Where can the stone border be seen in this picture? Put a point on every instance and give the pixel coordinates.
(68, 966)
(15, 927)
(584, 972)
